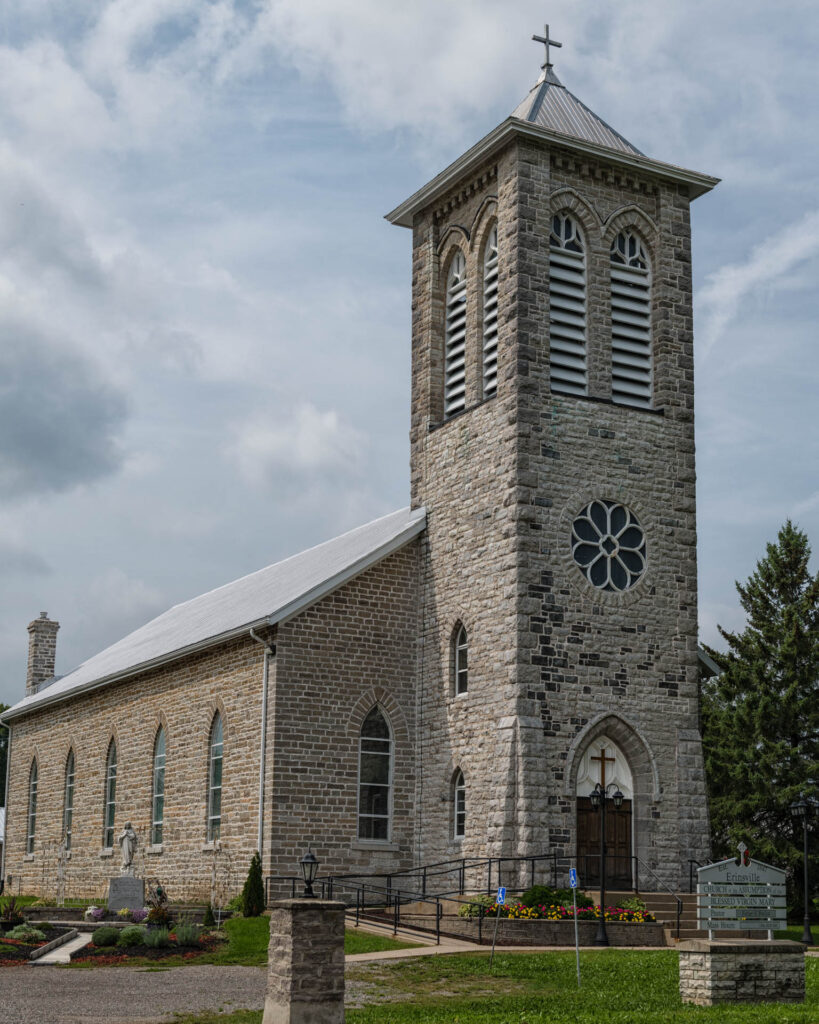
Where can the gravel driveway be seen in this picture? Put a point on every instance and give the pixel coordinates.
(125, 995)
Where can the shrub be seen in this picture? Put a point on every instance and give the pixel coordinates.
(12, 912)
(187, 934)
(105, 936)
(132, 936)
(158, 912)
(477, 906)
(253, 892)
(633, 903)
(209, 921)
(26, 933)
(235, 905)
(546, 896)
(157, 938)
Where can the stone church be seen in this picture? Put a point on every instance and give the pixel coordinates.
(452, 680)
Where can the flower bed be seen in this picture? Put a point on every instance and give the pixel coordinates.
(14, 952)
(554, 912)
(106, 955)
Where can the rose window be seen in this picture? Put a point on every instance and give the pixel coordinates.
(609, 545)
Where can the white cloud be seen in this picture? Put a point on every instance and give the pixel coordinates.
(307, 442)
(769, 268)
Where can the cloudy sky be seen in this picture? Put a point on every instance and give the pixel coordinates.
(204, 319)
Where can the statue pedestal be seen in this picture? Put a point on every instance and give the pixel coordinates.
(126, 891)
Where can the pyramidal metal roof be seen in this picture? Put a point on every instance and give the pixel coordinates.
(270, 595)
(550, 105)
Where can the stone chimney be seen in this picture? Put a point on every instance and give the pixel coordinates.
(42, 652)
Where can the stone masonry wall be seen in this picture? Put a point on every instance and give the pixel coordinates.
(334, 662)
(553, 662)
(593, 661)
(463, 471)
(183, 698)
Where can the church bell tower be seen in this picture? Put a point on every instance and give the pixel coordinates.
(552, 445)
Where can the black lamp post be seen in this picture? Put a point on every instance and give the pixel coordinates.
(599, 797)
(309, 867)
(799, 810)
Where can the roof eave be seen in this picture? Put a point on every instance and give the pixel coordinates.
(279, 615)
(402, 215)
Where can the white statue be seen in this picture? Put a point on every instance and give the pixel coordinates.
(127, 844)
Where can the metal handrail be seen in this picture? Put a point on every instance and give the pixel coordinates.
(669, 890)
(691, 869)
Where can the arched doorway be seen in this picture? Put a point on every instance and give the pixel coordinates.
(604, 762)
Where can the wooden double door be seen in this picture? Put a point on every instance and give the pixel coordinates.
(618, 844)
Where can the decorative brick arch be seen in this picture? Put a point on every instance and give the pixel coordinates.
(567, 200)
(630, 740)
(482, 224)
(455, 237)
(636, 219)
(377, 696)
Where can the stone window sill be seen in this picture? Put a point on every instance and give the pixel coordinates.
(28, 857)
(154, 851)
(208, 847)
(107, 853)
(374, 844)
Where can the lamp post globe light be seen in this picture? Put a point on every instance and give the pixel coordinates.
(309, 868)
(800, 810)
(598, 798)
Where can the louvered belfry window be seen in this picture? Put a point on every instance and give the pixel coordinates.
(455, 347)
(567, 307)
(630, 321)
(490, 315)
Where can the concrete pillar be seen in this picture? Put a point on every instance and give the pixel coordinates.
(42, 652)
(305, 974)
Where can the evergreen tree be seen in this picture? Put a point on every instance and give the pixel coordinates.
(253, 892)
(4, 751)
(760, 718)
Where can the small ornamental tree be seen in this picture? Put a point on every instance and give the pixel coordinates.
(253, 892)
(760, 717)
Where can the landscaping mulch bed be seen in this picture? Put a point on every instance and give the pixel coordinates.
(107, 955)
(13, 952)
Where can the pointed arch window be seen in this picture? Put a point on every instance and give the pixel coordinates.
(31, 825)
(459, 803)
(631, 369)
(68, 801)
(461, 660)
(215, 759)
(490, 315)
(455, 342)
(158, 795)
(110, 797)
(567, 307)
(374, 777)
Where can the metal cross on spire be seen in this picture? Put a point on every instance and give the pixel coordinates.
(547, 42)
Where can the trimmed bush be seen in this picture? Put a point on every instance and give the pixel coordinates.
(209, 921)
(157, 938)
(26, 933)
(105, 936)
(633, 903)
(546, 896)
(133, 936)
(253, 892)
(187, 933)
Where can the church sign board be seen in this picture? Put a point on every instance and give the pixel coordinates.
(740, 895)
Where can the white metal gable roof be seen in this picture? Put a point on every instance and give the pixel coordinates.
(551, 105)
(270, 595)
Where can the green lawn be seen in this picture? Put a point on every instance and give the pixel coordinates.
(618, 987)
(364, 942)
(22, 901)
(794, 932)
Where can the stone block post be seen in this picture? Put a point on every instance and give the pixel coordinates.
(741, 971)
(305, 974)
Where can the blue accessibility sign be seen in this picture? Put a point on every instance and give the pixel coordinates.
(501, 896)
(573, 878)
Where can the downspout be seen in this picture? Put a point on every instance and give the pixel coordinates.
(6, 798)
(269, 652)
